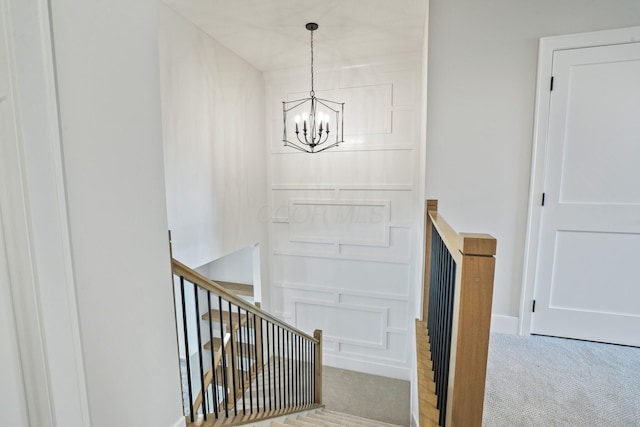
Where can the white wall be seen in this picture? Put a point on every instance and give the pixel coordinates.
(482, 70)
(344, 226)
(214, 142)
(13, 406)
(106, 57)
(237, 267)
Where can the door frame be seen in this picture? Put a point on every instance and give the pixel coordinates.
(35, 224)
(548, 45)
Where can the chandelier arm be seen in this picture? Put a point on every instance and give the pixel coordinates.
(335, 144)
(305, 142)
(326, 137)
(293, 145)
(299, 103)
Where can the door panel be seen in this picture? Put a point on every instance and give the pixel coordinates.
(587, 282)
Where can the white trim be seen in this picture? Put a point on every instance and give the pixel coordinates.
(41, 264)
(414, 421)
(545, 58)
(361, 258)
(340, 187)
(182, 422)
(504, 324)
(367, 367)
(338, 292)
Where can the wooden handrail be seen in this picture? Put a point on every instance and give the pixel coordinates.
(196, 278)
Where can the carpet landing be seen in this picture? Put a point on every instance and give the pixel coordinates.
(544, 381)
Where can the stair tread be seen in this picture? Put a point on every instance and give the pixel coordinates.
(236, 288)
(215, 316)
(245, 347)
(328, 422)
(368, 421)
(297, 423)
(343, 421)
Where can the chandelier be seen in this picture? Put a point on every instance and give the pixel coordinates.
(318, 123)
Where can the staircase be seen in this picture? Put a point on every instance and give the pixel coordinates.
(240, 364)
(245, 366)
(323, 417)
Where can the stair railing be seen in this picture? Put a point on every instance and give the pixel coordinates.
(247, 364)
(452, 339)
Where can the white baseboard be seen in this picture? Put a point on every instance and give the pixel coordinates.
(366, 367)
(414, 420)
(504, 324)
(182, 422)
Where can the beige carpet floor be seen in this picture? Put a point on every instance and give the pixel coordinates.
(544, 381)
(370, 396)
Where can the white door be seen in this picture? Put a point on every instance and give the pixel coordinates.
(588, 276)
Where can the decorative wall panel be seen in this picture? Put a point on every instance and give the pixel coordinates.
(343, 226)
(353, 222)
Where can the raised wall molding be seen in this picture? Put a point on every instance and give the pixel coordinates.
(381, 259)
(340, 322)
(354, 222)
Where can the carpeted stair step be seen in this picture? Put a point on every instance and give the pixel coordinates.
(341, 420)
(326, 418)
(297, 423)
(326, 422)
(347, 418)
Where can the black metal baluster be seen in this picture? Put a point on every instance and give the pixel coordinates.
(264, 391)
(435, 326)
(202, 390)
(225, 361)
(241, 344)
(269, 361)
(287, 368)
(214, 386)
(255, 363)
(292, 374)
(313, 371)
(234, 362)
(438, 327)
(452, 279)
(297, 349)
(310, 370)
(248, 354)
(300, 370)
(307, 366)
(186, 347)
(279, 370)
(287, 363)
(290, 367)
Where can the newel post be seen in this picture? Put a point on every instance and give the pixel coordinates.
(317, 334)
(474, 324)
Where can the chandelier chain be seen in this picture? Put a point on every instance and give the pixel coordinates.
(312, 90)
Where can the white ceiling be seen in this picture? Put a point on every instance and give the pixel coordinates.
(271, 34)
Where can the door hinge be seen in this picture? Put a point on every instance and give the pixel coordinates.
(543, 196)
(533, 306)
(551, 84)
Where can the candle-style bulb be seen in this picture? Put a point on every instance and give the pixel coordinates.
(297, 119)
